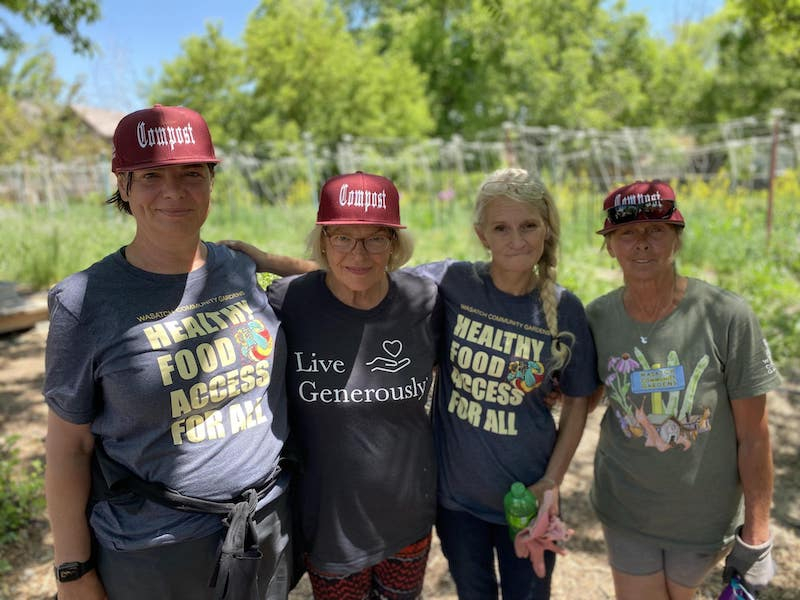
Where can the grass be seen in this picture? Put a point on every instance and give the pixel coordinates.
(725, 242)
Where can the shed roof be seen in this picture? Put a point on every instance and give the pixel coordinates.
(100, 120)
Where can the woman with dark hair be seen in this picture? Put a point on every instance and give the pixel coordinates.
(165, 386)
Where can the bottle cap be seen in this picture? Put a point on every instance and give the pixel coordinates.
(518, 488)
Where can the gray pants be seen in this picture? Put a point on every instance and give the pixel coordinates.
(182, 571)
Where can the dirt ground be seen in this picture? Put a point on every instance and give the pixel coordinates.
(583, 574)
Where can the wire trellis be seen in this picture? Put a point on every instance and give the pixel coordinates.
(443, 169)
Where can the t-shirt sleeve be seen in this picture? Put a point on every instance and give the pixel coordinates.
(277, 291)
(434, 271)
(69, 387)
(750, 370)
(579, 376)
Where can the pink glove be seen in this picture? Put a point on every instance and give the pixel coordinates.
(542, 534)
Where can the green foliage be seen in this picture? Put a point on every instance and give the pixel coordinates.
(553, 62)
(21, 493)
(209, 77)
(311, 74)
(397, 69)
(774, 22)
(64, 17)
(15, 135)
(40, 244)
(758, 59)
(35, 119)
(725, 241)
(298, 70)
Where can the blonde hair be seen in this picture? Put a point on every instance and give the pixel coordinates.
(520, 186)
(402, 248)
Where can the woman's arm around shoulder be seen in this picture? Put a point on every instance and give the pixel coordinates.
(266, 262)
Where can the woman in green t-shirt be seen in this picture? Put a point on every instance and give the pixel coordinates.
(684, 438)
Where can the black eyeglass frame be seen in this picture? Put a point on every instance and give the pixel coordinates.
(390, 238)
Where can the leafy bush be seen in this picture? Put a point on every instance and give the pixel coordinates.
(21, 493)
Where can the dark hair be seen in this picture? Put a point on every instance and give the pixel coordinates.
(116, 197)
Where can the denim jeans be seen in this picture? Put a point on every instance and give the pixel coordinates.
(471, 545)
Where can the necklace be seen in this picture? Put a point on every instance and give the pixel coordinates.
(645, 338)
(655, 315)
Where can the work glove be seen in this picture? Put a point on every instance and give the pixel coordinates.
(753, 563)
(544, 533)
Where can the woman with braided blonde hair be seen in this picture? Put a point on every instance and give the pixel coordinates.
(515, 185)
(512, 336)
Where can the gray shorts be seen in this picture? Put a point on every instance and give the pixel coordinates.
(634, 555)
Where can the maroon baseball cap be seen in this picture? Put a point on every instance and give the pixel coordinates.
(159, 137)
(641, 201)
(359, 199)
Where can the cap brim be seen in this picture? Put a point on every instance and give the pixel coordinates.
(154, 164)
(676, 219)
(354, 222)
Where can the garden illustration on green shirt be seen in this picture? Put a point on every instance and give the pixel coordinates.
(662, 417)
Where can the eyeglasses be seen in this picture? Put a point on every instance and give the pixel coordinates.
(647, 211)
(374, 244)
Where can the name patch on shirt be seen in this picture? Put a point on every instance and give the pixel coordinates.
(663, 379)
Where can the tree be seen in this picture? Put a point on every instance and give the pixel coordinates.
(35, 118)
(311, 74)
(33, 100)
(550, 62)
(777, 22)
(64, 17)
(209, 77)
(28, 88)
(758, 59)
(686, 75)
(298, 70)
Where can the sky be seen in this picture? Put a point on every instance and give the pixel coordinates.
(134, 38)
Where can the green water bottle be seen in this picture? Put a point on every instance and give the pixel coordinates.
(520, 507)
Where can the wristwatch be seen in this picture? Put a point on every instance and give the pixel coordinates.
(70, 571)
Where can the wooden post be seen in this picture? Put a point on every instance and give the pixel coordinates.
(776, 114)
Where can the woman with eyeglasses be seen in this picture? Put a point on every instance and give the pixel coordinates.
(512, 336)
(362, 346)
(686, 372)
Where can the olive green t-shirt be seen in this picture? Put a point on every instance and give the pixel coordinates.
(666, 462)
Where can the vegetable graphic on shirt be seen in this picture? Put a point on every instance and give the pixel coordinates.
(525, 374)
(255, 341)
(691, 389)
(664, 427)
(675, 395)
(618, 383)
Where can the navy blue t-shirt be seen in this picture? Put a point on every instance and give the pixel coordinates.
(182, 380)
(491, 425)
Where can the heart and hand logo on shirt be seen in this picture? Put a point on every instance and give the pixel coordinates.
(390, 363)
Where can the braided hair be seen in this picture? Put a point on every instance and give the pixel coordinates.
(518, 185)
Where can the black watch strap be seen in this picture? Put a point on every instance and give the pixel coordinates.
(70, 571)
